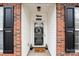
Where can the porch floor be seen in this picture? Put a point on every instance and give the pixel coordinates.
(33, 53)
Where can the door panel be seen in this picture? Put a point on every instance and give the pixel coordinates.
(39, 41)
(38, 33)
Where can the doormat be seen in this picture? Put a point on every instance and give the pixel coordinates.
(41, 49)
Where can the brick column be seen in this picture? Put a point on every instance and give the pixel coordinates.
(60, 29)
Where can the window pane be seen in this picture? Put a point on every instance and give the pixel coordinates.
(1, 40)
(77, 28)
(76, 18)
(1, 18)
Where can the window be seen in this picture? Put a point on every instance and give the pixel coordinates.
(1, 29)
(77, 29)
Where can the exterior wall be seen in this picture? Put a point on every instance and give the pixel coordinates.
(25, 29)
(51, 29)
(17, 29)
(60, 51)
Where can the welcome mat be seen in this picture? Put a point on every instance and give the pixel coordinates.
(41, 49)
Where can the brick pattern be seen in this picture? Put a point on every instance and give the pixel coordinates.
(60, 50)
(17, 29)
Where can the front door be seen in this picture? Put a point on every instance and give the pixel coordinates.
(38, 32)
(39, 26)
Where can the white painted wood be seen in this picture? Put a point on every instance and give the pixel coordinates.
(25, 30)
(51, 42)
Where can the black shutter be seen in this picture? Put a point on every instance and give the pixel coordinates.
(8, 30)
(69, 30)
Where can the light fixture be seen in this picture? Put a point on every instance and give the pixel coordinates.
(38, 8)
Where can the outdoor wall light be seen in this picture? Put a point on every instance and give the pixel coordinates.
(38, 8)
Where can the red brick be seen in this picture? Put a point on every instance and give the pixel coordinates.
(60, 50)
(17, 18)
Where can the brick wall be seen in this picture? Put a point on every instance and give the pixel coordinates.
(60, 51)
(17, 29)
(60, 30)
